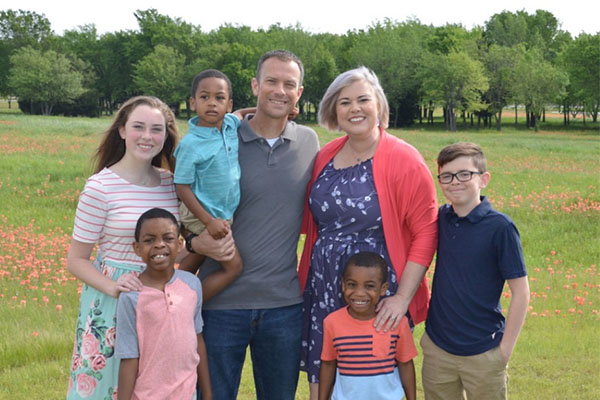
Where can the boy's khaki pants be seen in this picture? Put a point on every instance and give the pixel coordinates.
(450, 377)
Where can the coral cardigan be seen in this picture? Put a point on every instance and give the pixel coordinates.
(407, 199)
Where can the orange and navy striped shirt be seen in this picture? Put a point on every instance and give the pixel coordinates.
(366, 359)
(360, 350)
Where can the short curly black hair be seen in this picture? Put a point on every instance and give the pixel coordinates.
(368, 259)
(210, 73)
(153, 213)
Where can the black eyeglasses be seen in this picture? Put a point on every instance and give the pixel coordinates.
(461, 176)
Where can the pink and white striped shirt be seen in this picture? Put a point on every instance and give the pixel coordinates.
(109, 208)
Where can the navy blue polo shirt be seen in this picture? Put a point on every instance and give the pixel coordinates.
(476, 255)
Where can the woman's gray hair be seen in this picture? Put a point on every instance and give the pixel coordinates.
(327, 114)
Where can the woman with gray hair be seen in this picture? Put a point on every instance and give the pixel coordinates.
(370, 191)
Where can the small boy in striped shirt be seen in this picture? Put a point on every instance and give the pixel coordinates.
(357, 362)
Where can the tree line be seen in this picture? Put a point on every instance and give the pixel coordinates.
(515, 59)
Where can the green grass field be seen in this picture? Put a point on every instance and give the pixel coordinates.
(548, 182)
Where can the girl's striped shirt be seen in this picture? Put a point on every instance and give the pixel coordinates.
(109, 208)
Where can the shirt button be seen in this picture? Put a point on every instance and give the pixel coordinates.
(457, 224)
(171, 303)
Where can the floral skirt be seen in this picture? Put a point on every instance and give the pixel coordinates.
(94, 369)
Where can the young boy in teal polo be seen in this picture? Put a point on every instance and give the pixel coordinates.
(467, 341)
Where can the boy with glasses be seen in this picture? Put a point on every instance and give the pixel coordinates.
(467, 341)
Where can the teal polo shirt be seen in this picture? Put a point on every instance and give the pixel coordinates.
(207, 160)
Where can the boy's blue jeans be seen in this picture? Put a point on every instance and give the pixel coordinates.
(274, 337)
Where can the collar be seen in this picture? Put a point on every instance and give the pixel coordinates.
(193, 121)
(247, 134)
(201, 131)
(476, 214)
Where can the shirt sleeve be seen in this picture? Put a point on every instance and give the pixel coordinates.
(187, 155)
(90, 215)
(198, 321)
(328, 353)
(510, 253)
(127, 345)
(405, 348)
(234, 121)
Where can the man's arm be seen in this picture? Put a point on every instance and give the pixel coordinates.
(519, 289)
(203, 375)
(407, 377)
(326, 379)
(241, 113)
(128, 370)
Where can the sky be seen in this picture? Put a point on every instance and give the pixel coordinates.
(317, 16)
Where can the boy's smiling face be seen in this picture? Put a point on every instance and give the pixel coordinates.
(362, 288)
(464, 196)
(211, 102)
(159, 244)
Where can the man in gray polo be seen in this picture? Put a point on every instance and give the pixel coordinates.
(263, 307)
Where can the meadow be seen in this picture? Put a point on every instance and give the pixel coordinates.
(548, 182)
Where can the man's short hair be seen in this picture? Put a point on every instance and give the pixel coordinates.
(463, 149)
(282, 55)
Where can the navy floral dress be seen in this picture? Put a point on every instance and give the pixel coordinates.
(345, 205)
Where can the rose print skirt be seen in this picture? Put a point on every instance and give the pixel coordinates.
(94, 369)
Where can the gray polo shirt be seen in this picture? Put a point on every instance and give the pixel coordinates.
(266, 225)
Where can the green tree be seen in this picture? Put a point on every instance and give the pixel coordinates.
(82, 47)
(82, 41)
(540, 84)
(320, 71)
(87, 103)
(536, 31)
(115, 67)
(507, 29)
(446, 39)
(44, 77)
(19, 29)
(580, 61)
(500, 63)
(544, 33)
(24, 28)
(455, 81)
(157, 29)
(160, 74)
